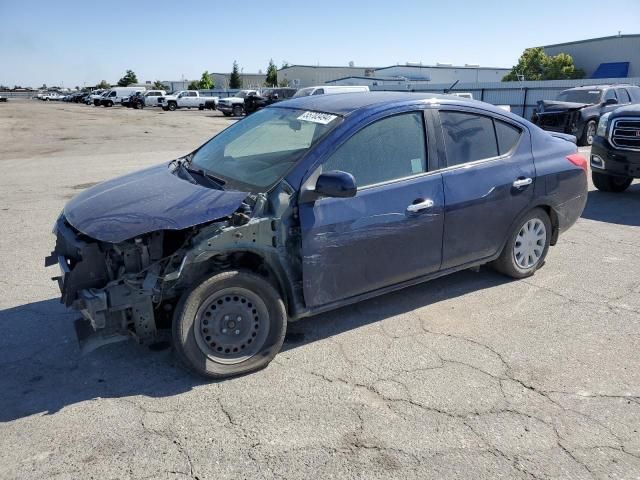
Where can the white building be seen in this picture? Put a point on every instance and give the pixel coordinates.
(301, 76)
(412, 75)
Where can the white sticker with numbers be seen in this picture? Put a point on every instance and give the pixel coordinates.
(317, 117)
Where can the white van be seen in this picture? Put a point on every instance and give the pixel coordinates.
(116, 94)
(329, 89)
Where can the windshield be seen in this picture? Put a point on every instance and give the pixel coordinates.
(258, 150)
(580, 96)
(305, 92)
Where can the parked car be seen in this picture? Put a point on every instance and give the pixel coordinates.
(94, 95)
(149, 99)
(266, 97)
(577, 110)
(234, 105)
(50, 96)
(350, 197)
(3, 99)
(615, 153)
(132, 99)
(115, 95)
(329, 89)
(186, 99)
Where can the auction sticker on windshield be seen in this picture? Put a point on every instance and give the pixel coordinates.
(317, 117)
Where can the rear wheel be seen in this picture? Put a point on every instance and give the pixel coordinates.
(610, 183)
(527, 245)
(232, 323)
(589, 133)
(237, 110)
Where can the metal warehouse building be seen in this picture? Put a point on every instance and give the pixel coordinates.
(301, 76)
(605, 57)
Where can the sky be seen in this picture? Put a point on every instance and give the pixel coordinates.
(78, 43)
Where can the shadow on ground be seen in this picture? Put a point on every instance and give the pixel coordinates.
(41, 370)
(620, 208)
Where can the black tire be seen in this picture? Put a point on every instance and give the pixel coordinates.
(200, 107)
(140, 105)
(226, 114)
(508, 263)
(135, 105)
(588, 133)
(172, 106)
(109, 104)
(610, 183)
(199, 322)
(238, 110)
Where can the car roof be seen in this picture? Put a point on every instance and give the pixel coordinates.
(347, 103)
(601, 87)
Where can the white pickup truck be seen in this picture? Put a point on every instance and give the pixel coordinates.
(187, 99)
(235, 105)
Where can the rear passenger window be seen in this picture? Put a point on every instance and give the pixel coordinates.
(319, 91)
(508, 136)
(389, 149)
(468, 137)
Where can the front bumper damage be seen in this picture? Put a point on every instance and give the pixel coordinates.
(112, 308)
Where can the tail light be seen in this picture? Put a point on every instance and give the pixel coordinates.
(578, 160)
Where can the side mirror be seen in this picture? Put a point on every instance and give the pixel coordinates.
(611, 101)
(334, 184)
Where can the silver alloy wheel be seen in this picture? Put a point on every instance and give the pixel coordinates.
(530, 243)
(231, 325)
(591, 131)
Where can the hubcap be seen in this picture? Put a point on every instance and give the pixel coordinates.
(530, 243)
(591, 131)
(231, 325)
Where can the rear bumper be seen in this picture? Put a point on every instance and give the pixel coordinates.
(607, 159)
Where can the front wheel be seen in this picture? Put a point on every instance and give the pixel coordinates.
(588, 134)
(527, 245)
(232, 323)
(172, 106)
(610, 183)
(237, 110)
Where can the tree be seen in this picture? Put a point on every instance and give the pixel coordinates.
(206, 81)
(194, 85)
(272, 75)
(128, 79)
(158, 85)
(234, 80)
(103, 85)
(534, 64)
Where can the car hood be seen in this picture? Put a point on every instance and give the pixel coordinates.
(146, 201)
(555, 106)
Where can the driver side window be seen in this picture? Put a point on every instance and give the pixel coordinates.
(389, 149)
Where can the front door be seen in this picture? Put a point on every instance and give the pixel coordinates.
(391, 231)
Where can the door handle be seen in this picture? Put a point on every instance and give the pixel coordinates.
(522, 182)
(418, 207)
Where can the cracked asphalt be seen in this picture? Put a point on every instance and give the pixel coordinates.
(469, 376)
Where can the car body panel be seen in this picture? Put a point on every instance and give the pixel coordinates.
(145, 201)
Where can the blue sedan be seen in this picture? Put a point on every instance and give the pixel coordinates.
(306, 206)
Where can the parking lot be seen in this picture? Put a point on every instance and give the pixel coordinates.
(469, 376)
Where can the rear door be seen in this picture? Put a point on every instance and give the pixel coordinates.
(489, 176)
(391, 231)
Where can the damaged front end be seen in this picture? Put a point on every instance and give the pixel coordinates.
(130, 288)
(114, 286)
(561, 117)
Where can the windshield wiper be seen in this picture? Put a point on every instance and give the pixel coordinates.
(184, 171)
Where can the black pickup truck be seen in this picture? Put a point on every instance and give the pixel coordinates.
(267, 96)
(578, 110)
(615, 153)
